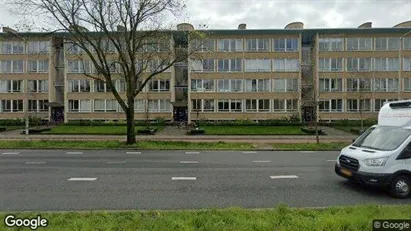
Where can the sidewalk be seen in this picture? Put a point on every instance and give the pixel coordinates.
(198, 138)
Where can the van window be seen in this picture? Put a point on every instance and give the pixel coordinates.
(382, 138)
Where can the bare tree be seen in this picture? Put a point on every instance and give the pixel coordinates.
(123, 35)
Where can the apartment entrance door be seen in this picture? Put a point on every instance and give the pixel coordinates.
(308, 114)
(57, 114)
(180, 114)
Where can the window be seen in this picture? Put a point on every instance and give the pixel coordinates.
(111, 105)
(258, 85)
(73, 48)
(392, 64)
(357, 105)
(359, 44)
(159, 85)
(223, 105)
(38, 105)
(36, 47)
(406, 64)
(285, 65)
(79, 66)
(326, 64)
(99, 86)
(263, 105)
(378, 103)
(223, 85)
(407, 84)
(236, 105)
(11, 105)
(257, 65)
(236, 85)
(292, 104)
(223, 65)
(139, 105)
(251, 105)
(226, 45)
(386, 64)
(279, 105)
(334, 85)
(292, 85)
(38, 66)
(260, 45)
(38, 85)
(120, 85)
(12, 48)
(11, 66)
(203, 45)
(205, 65)
(358, 84)
(197, 85)
(382, 44)
(359, 64)
(332, 105)
(407, 43)
(330, 44)
(208, 105)
(286, 44)
(7, 86)
(201, 85)
(390, 85)
(99, 105)
(196, 105)
(279, 85)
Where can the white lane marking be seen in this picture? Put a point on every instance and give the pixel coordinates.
(10, 153)
(35, 162)
(116, 162)
(183, 178)
(261, 161)
(192, 152)
(284, 177)
(133, 153)
(188, 162)
(307, 151)
(82, 179)
(74, 153)
(331, 160)
(250, 152)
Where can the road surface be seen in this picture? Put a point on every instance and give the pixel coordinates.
(40, 180)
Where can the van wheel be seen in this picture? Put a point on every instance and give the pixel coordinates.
(400, 187)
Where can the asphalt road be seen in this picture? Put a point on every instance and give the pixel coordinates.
(82, 180)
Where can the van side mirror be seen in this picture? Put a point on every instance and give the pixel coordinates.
(353, 140)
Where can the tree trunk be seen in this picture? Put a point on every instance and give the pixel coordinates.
(131, 132)
(317, 138)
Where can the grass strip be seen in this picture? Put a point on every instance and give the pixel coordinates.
(253, 130)
(280, 218)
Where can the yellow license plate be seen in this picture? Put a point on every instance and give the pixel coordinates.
(346, 172)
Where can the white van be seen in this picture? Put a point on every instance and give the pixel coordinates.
(381, 156)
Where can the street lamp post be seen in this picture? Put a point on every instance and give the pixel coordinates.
(399, 63)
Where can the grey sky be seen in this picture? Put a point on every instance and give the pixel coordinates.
(259, 14)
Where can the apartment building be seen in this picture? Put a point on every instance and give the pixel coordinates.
(232, 74)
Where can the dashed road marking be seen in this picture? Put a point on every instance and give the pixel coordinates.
(188, 162)
(250, 152)
(116, 162)
(331, 160)
(35, 162)
(307, 151)
(74, 153)
(284, 177)
(82, 179)
(192, 152)
(183, 178)
(133, 153)
(10, 153)
(261, 161)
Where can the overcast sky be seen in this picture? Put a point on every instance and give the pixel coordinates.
(266, 14)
